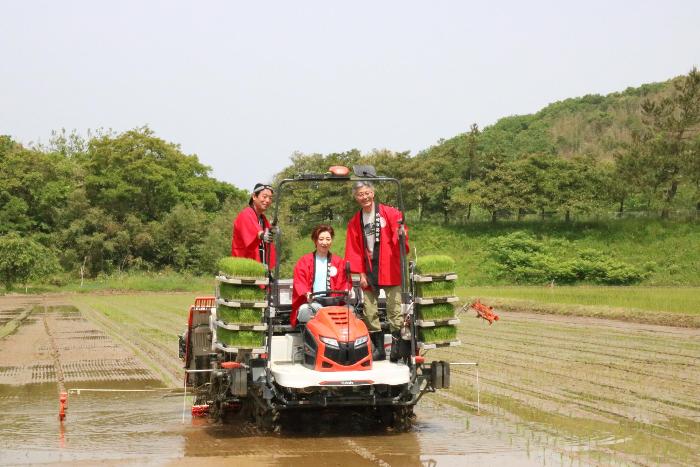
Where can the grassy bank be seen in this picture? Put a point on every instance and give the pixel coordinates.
(671, 250)
(669, 306)
(131, 282)
(684, 300)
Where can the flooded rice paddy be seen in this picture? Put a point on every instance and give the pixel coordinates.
(554, 391)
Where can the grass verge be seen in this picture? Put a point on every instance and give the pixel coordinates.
(668, 306)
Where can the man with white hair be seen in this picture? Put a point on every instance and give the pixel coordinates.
(372, 248)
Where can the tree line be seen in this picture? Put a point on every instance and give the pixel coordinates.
(132, 201)
(107, 203)
(639, 149)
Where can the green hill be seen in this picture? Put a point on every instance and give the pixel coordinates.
(665, 253)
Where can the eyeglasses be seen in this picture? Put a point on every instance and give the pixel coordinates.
(363, 194)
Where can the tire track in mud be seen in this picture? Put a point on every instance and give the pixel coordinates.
(56, 356)
(365, 453)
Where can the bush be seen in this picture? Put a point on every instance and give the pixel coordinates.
(525, 259)
(22, 259)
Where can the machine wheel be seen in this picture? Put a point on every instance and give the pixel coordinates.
(399, 417)
(268, 419)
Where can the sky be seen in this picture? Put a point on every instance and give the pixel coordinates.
(243, 85)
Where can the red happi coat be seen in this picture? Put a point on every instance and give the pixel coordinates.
(245, 242)
(304, 274)
(389, 259)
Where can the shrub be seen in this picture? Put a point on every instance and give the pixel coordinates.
(22, 259)
(528, 260)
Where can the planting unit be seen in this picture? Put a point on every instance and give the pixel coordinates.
(240, 307)
(434, 302)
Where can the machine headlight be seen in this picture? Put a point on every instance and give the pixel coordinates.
(360, 340)
(330, 342)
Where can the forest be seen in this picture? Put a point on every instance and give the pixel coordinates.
(82, 206)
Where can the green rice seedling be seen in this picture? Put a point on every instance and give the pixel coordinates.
(435, 264)
(438, 334)
(435, 289)
(244, 339)
(436, 311)
(241, 267)
(242, 293)
(241, 315)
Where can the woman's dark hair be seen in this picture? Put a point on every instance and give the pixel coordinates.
(319, 229)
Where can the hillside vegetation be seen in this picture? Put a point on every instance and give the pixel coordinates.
(82, 208)
(665, 253)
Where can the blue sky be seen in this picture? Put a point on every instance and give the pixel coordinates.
(245, 84)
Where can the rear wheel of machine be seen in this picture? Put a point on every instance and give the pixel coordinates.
(268, 419)
(398, 418)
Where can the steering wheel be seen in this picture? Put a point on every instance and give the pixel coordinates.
(325, 298)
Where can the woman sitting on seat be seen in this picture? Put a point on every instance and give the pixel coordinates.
(316, 272)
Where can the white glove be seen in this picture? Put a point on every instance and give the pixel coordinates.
(268, 236)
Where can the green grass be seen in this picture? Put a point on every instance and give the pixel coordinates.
(246, 339)
(435, 289)
(244, 293)
(435, 264)
(438, 334)
(684, 300)
(241, 315)
(435, 311)
(241, 267)
(670, 251)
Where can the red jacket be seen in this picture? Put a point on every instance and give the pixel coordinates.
(389, 259)
(304, 274)
(245, 242)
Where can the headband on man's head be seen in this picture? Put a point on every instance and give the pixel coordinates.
(260, 187)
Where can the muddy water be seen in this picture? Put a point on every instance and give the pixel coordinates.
(146, 427)
(552, 393)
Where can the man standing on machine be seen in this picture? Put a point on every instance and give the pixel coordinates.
(372, 248)
(252, 235)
